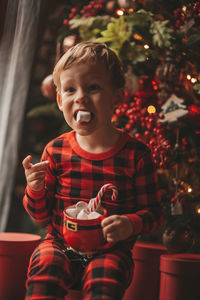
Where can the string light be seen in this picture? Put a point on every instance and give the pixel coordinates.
(151, 109)
(146, 46)
(189, 189)
(120, 12)
(193, 80)
(189, 77)
(137, 36)
(198, 210)
(184, 8)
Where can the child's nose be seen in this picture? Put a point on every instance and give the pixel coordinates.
(81, 96)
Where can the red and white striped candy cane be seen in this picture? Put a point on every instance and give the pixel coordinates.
(95, 203)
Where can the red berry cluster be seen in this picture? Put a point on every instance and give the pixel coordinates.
(92, 8)
(192, 11)
(146, 128)
(180, 17)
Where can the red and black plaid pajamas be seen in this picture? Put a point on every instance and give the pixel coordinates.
(75, 175)
(51, 273)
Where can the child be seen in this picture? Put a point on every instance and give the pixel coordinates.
(74, 166)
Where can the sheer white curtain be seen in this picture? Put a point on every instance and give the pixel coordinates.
(16, 58)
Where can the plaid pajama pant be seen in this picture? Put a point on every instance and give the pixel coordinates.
(51, 273)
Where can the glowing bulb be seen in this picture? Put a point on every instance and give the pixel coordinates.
(189, 76)
(198, 210)
(193, 80)
(146, 46)
(151, 109)
(184, 8)
(189, 189)
(137, 37)
(120, 12)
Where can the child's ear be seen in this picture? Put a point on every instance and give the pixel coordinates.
(59, 101)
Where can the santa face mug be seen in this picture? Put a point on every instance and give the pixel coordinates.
(82, 223)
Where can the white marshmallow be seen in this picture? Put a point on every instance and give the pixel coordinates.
(83, 116)
(93, 215)
(81, 205)
(71, 212)
(82, 214)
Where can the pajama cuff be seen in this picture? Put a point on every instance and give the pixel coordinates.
(35, 194)
(137, 223)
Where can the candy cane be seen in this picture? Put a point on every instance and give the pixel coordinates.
(95, 203)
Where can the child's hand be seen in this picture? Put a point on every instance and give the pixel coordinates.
(116, 228)
(35, 174)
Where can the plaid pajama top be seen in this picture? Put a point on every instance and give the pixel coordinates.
(76, 175)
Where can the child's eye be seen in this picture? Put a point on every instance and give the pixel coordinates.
(93, 87)
(70, 90)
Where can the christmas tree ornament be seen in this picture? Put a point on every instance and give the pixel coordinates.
(168, 71)
(68, 42)
(176, 206)
(126, 3)
(178, 238)
(167, 75)
(48, 88)
(173, 109)
(164, 91)
(111, 6)
(131, 81)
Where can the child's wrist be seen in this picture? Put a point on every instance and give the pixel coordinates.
(137, 223)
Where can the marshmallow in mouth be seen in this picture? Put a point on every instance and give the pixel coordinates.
(83, 116)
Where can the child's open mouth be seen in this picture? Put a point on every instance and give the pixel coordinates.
(83, 116)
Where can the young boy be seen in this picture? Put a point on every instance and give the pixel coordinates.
(74, 166)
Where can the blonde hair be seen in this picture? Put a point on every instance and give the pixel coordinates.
(95, 53)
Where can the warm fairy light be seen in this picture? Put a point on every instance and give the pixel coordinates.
(189, 189)
(193, 80)
(151, 109)
(120, 12)
(137, 37)
(184, 8)
(146, 46)
(198, 210)
(131, 10)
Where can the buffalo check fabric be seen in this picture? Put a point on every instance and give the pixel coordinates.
(77, 175)
(51, 273)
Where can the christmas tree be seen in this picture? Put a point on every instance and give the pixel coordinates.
(158, 43)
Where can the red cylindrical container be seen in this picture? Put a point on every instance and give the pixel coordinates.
(180, 277)
(85, 235)
(15, 252)
(146, 278)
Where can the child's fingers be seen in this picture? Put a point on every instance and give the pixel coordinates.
(36, 176)
(27, 162)
(40, 166)
(109, 220)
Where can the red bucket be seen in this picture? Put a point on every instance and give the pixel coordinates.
(85, 235)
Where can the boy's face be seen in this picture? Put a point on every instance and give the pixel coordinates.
(86, 87)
